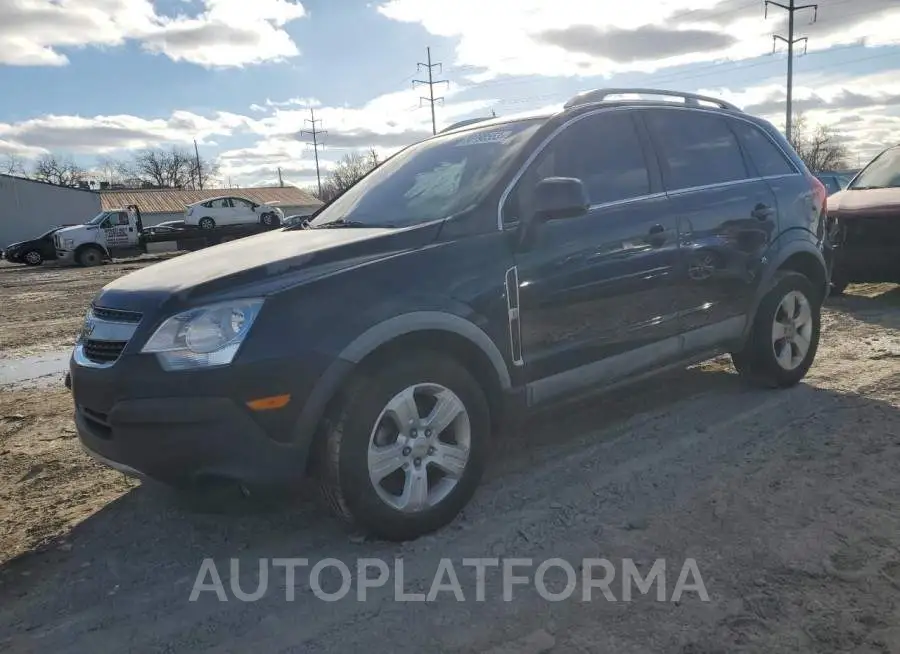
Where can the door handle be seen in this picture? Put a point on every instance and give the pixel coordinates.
(762, 211)
(656, 235)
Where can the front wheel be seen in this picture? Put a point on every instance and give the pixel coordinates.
(89, 257)
(33, 258)
(407, 447)
(269, 219)
(785, 334)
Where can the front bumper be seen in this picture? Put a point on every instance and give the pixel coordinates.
(65, 256)
(184, 428)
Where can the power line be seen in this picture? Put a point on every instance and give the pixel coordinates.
(315, 133)
(431, 82)
(791, 8)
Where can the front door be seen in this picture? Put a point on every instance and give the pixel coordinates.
(119, 232)
(593, 291)
(727, 217)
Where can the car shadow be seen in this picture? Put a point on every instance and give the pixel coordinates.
(142, 553)
(151, 530)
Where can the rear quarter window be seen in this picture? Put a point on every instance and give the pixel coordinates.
(696, 148)
(765, 156)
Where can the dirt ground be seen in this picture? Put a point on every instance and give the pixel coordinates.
(41, 309)
(789, 501)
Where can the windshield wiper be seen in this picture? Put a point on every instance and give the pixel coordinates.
(343, 222)
(866, 188)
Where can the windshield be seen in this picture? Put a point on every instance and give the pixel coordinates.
(430, 180)
(882, 172)
(96, 220)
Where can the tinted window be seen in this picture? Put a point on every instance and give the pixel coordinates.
(765, 155)
(698, 148)
(603, 151)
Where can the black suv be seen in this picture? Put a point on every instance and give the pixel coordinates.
(469, 279)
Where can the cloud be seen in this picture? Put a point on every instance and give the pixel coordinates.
(103, 134)
(585, 38)
(226, 33)
(625, 46)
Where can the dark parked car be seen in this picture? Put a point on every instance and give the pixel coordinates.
(468, 280)
(834, 181)
(35, 251)
(866, 219)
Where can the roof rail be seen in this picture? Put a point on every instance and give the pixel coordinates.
(599, 95)
(463, 123)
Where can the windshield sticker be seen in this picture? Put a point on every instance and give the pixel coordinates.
(443, 181)
(499, 136)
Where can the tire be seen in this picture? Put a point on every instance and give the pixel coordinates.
(89, 257)
(268, 219)
(368, 413)
(207, 223)
(758, 361)
(33, 258)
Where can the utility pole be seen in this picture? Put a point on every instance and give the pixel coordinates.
(199, 170)
(431, 82)
(280, 180)
(791, 8)
(315, 133)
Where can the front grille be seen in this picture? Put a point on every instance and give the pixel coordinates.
(115, 315)
(103, 351)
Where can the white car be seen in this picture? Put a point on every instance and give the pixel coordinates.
(231, 210)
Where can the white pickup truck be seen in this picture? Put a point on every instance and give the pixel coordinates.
(119, 233)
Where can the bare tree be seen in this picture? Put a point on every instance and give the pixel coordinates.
(818, 146)
(13, 164)
(58, 170)
(349, 170)
(168, 168)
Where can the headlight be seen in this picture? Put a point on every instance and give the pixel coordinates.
(68, 243)
(204, 337)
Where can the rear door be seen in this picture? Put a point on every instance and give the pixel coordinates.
(595, 302)
(727, 217)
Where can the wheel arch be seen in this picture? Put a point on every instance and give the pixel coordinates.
(800, 255)
(433, 330)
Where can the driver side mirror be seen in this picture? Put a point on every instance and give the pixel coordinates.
(555, 198)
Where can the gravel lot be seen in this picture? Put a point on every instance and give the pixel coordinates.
(788, 501)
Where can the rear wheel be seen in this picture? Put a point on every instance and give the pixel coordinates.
(407, 448)
(33, 258)
(89, 256)
(785, 334)
(207, 223)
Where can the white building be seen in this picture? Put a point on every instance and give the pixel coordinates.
(161, 205)
(29, 208)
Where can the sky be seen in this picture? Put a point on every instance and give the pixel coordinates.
(94, 79)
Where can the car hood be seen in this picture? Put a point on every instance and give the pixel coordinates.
(871, 202)
(264, 262)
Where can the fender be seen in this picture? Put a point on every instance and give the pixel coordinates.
(784, 247)
(377, 335)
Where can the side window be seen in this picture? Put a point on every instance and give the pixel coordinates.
(227, 203)
(603, 151)
(123, 218)
(764, 154)
(697, 148)
(241, 204)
